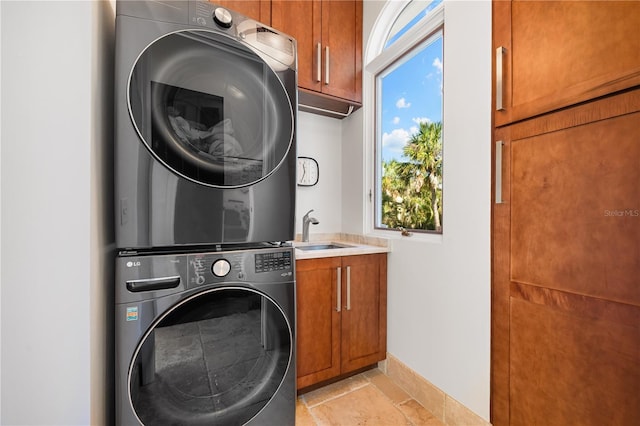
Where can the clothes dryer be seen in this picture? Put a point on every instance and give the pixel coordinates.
(206, 338)
(205, 112)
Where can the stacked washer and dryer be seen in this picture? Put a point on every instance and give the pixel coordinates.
(205, 200)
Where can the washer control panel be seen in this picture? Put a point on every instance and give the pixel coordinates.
(273, 261)
(263, 265)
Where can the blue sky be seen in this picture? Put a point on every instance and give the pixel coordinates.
(412, 93)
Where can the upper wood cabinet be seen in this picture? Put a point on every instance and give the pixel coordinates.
(260, 10)
(553, 54)
(329, 35)
(341, 317)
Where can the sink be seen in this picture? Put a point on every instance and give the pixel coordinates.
(322, 246)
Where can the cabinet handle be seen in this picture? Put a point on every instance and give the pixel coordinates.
(326, 65)
(319, 62)
(348, 288)
(498, 197)
(339, 290)
(499, 80)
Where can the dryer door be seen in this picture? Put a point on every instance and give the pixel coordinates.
(211, 109)
(217, 357)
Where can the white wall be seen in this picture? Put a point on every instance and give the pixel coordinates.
(54, 106)
(321, 138)
(0, 211)
(353, 196)
(439, 288)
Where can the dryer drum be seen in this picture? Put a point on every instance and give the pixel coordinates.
(210, 111)
(217, 357)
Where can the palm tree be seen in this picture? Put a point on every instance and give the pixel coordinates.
(424, 151)
(412, 190)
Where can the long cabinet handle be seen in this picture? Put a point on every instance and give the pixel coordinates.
(499, 78)
(348, 288)
(498, 197)
(326, 65)
(339, 290)
(319, 62)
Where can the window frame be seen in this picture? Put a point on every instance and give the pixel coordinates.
(378, 59)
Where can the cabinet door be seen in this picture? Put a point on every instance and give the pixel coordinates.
(364, 310)
(260, 10)
(566, 268)
(329, 35)
(560, 53)
(318, 320)
(342, 49)
(301, 20)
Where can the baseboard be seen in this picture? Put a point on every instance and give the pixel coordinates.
(445, 408)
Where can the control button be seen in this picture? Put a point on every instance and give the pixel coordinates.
(221, 268)
(222, 17)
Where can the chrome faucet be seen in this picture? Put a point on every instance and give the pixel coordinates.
(306, 220)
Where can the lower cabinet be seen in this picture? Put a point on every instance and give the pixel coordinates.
(342, 315)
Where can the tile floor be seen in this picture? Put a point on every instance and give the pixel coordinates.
(369, 398)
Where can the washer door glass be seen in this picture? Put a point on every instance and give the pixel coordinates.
(215, 358)
(210, 109)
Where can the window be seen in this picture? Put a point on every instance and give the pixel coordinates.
(408, 166)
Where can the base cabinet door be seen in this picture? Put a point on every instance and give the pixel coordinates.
(342, 315)
(318, 320)
(364, 311)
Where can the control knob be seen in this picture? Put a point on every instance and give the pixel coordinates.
(221, 267)
(222, 17)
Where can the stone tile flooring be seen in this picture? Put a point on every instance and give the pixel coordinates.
(369, 398)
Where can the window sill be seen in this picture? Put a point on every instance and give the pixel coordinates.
(395, 235)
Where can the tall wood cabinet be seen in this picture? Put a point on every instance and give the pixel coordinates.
(566, 213)
(342, 310)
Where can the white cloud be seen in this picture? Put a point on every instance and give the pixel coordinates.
(396, 120)
(395, 141)
(419, 120)
(437, 63)
(413, 130)
(402, 103)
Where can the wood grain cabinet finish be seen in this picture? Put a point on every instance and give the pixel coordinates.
(260, 10)
(560, 53)
(329, 36)
(341, 320)
(566, 268)
(565, 329)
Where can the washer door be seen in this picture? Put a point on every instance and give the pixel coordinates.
(210, 109)
(217, 357)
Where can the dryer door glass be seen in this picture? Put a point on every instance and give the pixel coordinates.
(216, 358)
(211, 109)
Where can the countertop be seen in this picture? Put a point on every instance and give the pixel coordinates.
(355, 245)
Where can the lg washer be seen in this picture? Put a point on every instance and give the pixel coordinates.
(206, 338)
(205, 112)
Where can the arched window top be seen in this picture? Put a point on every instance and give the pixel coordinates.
(412, 13)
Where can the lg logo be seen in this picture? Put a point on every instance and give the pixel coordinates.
(131, 264)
